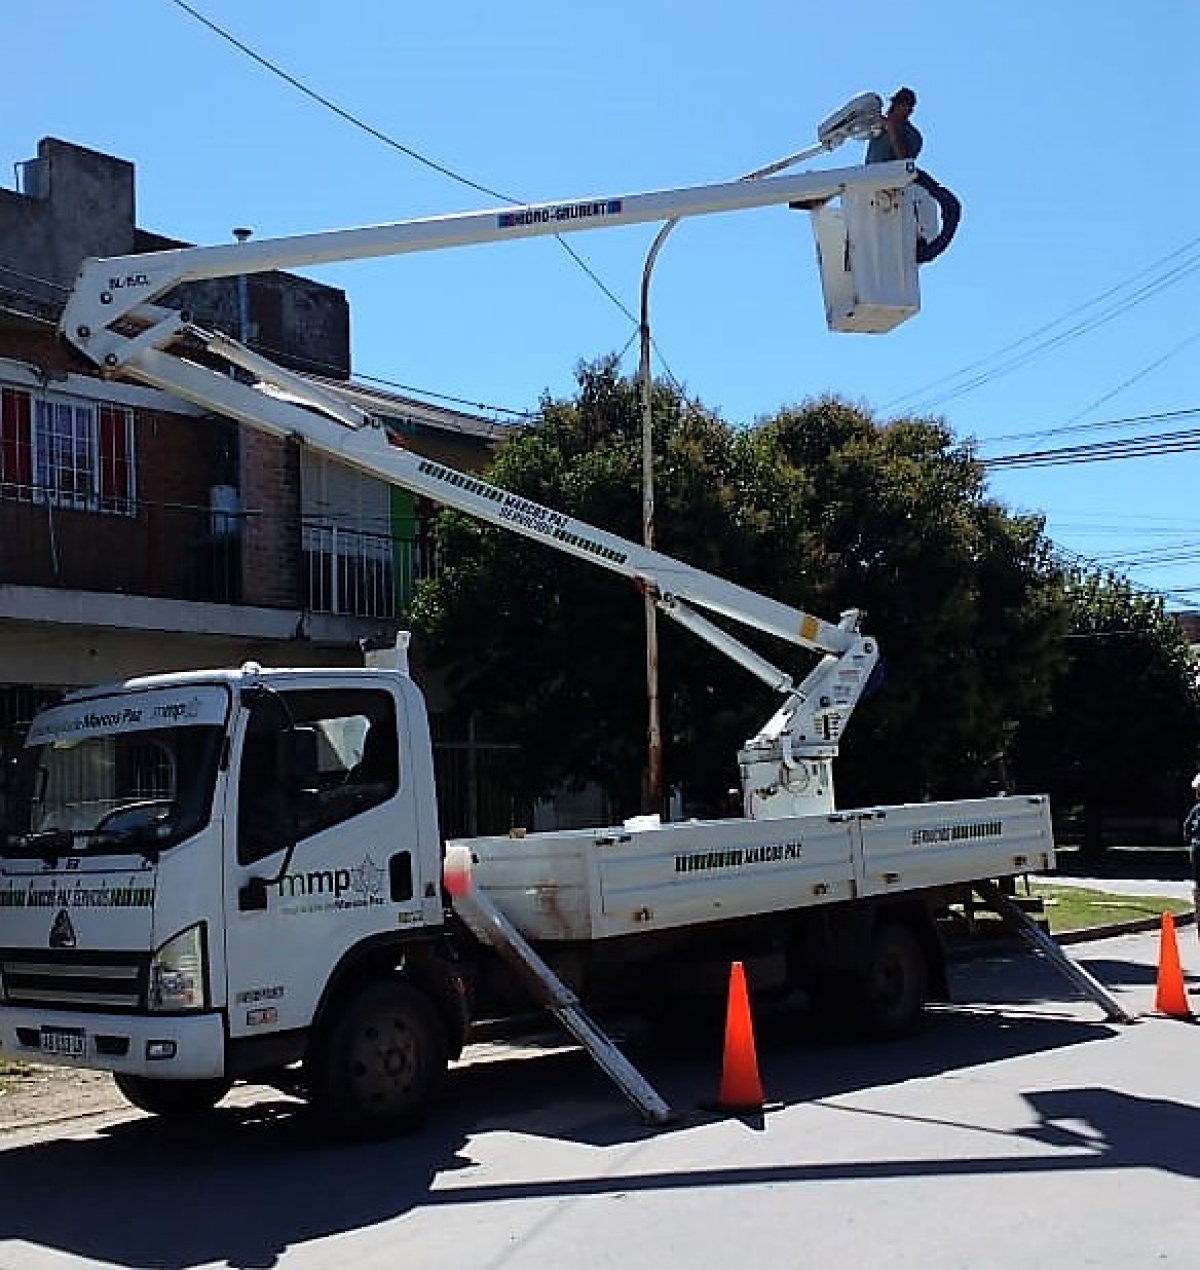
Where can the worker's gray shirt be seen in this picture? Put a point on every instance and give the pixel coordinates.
(879, 148)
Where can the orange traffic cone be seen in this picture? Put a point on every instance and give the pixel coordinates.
(741, 1089)
(1170, 997)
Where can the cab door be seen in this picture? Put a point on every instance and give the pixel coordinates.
(325, 847)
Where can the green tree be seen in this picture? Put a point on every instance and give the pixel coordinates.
(1123, 735)
(551, 650)
(963, 596)
(820, 507)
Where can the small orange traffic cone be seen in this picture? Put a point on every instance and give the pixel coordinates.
(741, 1088)
(1170, 997)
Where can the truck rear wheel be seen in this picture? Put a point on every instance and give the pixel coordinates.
(171, 1097)
(379, 1063)
(893, 984)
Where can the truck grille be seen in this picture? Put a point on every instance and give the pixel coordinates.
(114, 982)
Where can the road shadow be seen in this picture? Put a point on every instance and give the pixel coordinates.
(246, 1184)
(991, 980)
(238, 1187)
(1120, 1130)
(254, 1186)
(1082, 1130)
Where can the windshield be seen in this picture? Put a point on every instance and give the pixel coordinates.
(133, 774)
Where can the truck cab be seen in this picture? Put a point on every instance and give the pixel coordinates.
(196, 868)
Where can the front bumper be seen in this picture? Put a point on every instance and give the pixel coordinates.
(166, 1047)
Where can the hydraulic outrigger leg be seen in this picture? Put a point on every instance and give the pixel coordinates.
(1030, 931)
(491, 927)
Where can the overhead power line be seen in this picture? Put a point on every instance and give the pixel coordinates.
(1077, 561)
(1128, 421)
(275, 69)
(1138, 375)
(379, 135)
(1104, 307)
(314, 365)
(29, 277)
(1101, 451)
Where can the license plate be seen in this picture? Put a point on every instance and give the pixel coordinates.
(63, 1041)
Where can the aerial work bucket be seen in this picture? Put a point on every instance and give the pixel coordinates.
(867, 253)
(869, 244)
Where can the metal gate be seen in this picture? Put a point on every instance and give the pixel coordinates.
(475, 787)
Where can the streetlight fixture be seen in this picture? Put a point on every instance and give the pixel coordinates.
(860, 118)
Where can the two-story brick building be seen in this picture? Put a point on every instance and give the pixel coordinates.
(140, 534)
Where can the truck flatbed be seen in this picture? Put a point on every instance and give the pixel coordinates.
(589, 884)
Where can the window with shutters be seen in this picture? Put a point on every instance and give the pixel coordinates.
(16, 446)
(349, 546)
(66, 451)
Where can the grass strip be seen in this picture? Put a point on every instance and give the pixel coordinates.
(1072, 908)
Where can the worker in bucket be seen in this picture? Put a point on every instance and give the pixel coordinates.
(1191, 835)
(898, 138)
(938, 209)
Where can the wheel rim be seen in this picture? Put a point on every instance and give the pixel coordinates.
(896, 982)
(384, 1062)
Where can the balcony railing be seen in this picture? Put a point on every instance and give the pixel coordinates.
(353, 571)
(164, 550)
(173, 551)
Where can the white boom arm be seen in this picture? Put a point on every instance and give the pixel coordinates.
(111, 316)
(108, 290)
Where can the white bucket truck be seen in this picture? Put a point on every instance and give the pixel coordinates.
(238, 874)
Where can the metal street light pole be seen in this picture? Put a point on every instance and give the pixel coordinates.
(858, 119)
(654, 764)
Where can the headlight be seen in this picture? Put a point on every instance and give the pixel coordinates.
(179, 973)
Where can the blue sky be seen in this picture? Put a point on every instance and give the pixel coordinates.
(1067, 301)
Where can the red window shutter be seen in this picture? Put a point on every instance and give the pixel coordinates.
(16, 450)
(114, 454)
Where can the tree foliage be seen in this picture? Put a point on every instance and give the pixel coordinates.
(1123, 734)
(819, 506)
(551, 650)
(895, 520)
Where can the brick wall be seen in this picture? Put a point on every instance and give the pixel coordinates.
(271, 529)
(166, 548)
(177, 459)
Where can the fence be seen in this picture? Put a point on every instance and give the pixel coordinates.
(358, 572)
(180, 552)
(164, 550)
(474, 784)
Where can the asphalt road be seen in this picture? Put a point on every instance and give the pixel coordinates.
(1020, 1129)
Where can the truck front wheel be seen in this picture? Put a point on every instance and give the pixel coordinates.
(379, 1063)
(171, 1097)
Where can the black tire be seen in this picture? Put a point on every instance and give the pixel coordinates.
(172, 1098)
(892, 987)
(379, 1063)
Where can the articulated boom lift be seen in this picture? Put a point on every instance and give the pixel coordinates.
(115, 316)
(163, 935)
